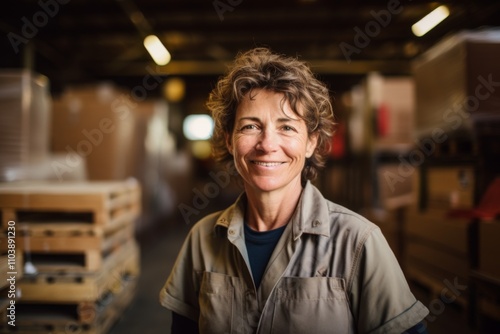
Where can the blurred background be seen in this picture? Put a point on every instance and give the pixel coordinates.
(106, 99)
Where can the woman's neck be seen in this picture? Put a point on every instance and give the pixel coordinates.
(270, 210)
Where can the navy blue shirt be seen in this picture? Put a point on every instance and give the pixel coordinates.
(260, 246)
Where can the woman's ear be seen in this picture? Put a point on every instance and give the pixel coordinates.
(312, 142)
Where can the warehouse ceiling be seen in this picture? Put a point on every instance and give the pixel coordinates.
(76, 41)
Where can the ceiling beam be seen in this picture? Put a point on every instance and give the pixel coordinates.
(208, 67)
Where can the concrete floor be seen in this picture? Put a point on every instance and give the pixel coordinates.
(159, 249)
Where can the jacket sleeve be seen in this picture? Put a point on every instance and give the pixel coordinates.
(381, 298)
(180, 292)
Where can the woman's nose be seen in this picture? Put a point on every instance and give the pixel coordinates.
(268, 141)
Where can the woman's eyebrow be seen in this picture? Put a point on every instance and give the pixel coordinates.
(257, 119)
(287, 119)
(249, 118)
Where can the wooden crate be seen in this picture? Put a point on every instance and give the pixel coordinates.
(39, 239)
(67, 251)
(83, 318)
(105, 204)
(80, 238)
(74, 287)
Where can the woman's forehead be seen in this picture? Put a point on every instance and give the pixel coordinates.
(280, 104)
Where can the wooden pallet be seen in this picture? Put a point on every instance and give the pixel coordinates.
(5, 270)
(106, 204)
(89, 261)
(73, 287)
(82, 318)
(74, 241)
(70, 249)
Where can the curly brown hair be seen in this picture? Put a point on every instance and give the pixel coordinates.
(260, 68)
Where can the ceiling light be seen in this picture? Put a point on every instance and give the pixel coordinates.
(198, 127)
(175, 89)
(157, 50)
(430, 21)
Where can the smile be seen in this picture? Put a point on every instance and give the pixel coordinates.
(267, 164)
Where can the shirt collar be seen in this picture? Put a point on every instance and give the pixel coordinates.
(311, 215)
(231, 220)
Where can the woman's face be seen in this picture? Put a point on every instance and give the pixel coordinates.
(269, 142)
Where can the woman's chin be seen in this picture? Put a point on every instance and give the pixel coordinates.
(267, 184)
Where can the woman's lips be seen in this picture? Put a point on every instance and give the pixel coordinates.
(267, 163)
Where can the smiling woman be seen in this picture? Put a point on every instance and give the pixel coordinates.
(270, 145)
(283, 259)
(299, 89)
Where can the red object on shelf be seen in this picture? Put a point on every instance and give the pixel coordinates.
(383, 118)
(487, 209)
(338, 142)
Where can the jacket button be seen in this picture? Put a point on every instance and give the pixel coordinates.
(231, 232)
(316, 223)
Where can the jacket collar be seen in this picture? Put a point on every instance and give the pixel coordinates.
(311, 215)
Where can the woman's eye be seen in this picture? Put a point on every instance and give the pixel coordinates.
(249, 127)
(288, 128)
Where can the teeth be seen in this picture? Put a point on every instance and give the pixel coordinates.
(267, 164)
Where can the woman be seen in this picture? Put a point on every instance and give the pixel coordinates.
(282, 258)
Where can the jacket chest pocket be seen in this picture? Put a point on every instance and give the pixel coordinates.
(311, 305)
(216, 303)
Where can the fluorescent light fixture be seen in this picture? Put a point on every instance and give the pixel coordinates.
(429, 21)
(198, 127)
(157, 50)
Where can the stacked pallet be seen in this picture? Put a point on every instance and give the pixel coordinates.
(80, 257)
(437, 245)
(437, 252)
(11, 271)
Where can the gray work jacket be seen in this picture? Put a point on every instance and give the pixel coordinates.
(332, 271)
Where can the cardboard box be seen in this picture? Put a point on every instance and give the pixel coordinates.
(450, 187)
(452, 89)
(96, 124)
